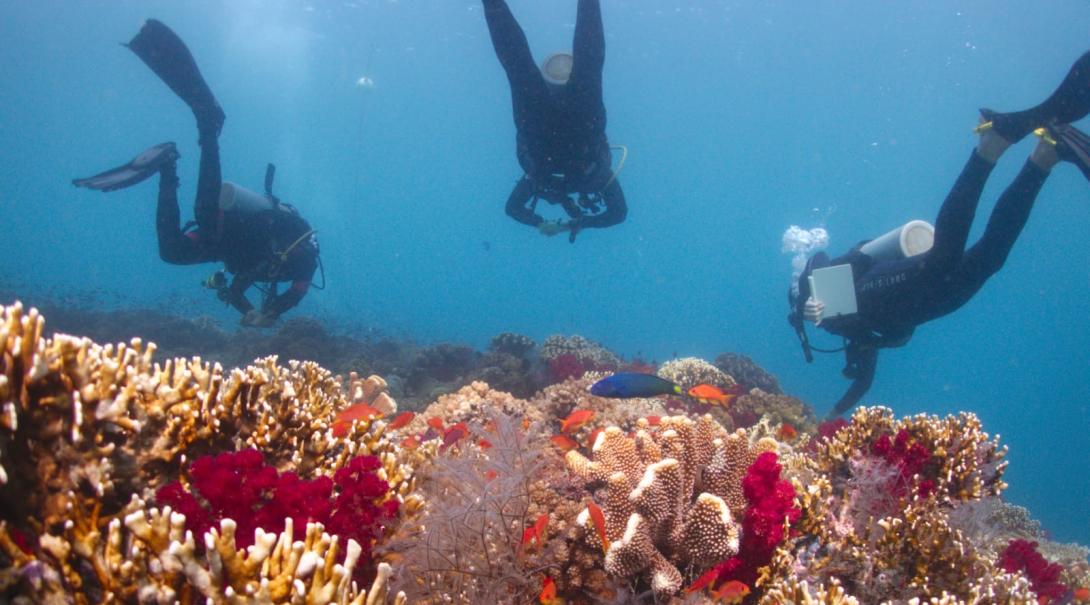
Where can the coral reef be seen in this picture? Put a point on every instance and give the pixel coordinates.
(691, 371)
(747, 373)
(88, 434)
(778, 409)
(571, 356)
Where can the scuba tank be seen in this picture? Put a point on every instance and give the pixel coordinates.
(910, 239)
(235, 198)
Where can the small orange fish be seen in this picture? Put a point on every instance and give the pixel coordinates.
(484, 444)
(599, 520)
(704, 580)
(565, 443)
(410, 443)
(592, 438)
(711, 395)
(575, 420)
(344, 418)
(787, 432)
(536, 531)
(1082, 594)
(436, 423)
(654, 420)
(548, 593)
(401, 420)
(490, 475)
(731, 593)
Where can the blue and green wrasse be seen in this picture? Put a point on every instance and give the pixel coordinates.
(624, 385)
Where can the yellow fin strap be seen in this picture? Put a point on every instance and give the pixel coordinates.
(1045, 135)
(982, 127)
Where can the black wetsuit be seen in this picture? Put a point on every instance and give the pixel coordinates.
(561, 141)
(249, 244)
(893, 297)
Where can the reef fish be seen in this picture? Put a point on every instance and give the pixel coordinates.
(401, 420)
(536, 531)
(624, 385)
(599, 520)
(564, 442)
(731, 593)
(548, 593)
(713, 395)
(575, 420)
(344, 419)
(453, 434)
(787, 432)
(436, 423)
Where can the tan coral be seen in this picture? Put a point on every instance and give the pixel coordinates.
(691, 371)
(657, 520)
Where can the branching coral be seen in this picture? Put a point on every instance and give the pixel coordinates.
(87, 428)
(663, 498)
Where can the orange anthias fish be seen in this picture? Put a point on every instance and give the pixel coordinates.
(653, 420)
(599, 521)
(575, 420)
(713, 395)
(731, 593)
(548, 593)
(1082, 594)
(411, 442)
(565, 443)
(536, 531)
(787, 432)
(401, 420)
(344, 418)
(436, 423)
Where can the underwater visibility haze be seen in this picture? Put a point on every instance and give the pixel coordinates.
(390, 126)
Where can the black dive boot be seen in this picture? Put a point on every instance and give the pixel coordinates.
(1068, 103)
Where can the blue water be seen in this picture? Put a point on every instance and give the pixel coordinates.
(742, 118)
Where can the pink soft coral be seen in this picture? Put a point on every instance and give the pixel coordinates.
(1022, 555)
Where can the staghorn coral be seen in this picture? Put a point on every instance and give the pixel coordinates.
(87, 430)
(747, 373)
(691, 371)
(659, 519)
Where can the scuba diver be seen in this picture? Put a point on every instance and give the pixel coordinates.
(258, 238)
(913, 275)
(561, 124)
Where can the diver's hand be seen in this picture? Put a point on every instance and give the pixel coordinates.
(552, 228)
(258, 319)
(813, 310)
(574, 226)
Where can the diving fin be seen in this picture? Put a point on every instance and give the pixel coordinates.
(1068, 103)
(138, 170)
(1072, 145)
(165, 53)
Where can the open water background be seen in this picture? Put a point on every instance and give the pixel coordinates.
(742, 118)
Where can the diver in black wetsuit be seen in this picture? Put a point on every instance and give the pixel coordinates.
(895, 295)
(258, 238)
(561, 123)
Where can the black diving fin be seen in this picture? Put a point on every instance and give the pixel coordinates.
(138, 170)
(165, 53)
(1068, 103)
(1072, 145)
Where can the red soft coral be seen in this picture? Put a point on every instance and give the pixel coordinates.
(910, 457)
(567, 365)
(771, 502)
(1022, 555)
(238, 486)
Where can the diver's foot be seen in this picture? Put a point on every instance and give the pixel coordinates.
(209, 120)
(143, 166)
(1069, 103)
(1069, 144)
(991, 145)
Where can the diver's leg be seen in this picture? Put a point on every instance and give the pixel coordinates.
(1070, 102)
(174, 247)
(209, 180)
(1009, 217)
(588, 50)
(512, 49)
(165, 53)
(518, 203)
(616, 208)
(956, 215)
